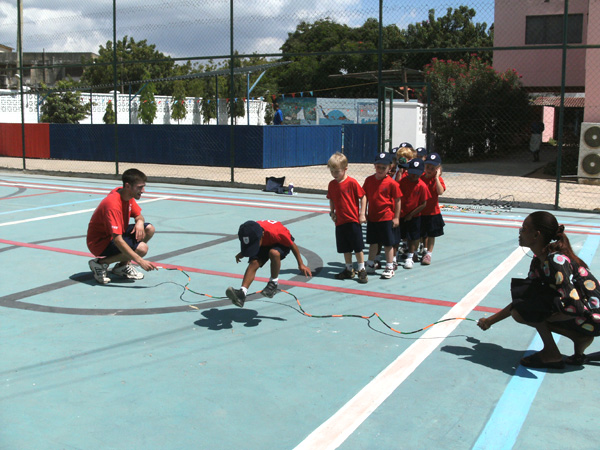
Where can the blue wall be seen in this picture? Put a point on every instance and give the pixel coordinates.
(209, 145)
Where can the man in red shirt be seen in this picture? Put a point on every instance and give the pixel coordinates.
(112, 239)
(263, 241)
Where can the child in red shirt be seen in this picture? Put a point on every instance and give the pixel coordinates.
(432, 223)
(415, 195)
(383, 203)
(345, 194)
(260, 242)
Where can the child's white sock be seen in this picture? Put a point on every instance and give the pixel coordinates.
(274, 280)
(348, 266)
(244, 290)
(360, 266)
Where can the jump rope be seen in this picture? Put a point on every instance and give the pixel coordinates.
(186, 288)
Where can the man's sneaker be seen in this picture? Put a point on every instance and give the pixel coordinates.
(270, 289)
(127, 271)
(345, 274)
(99, 270)
(387, 273)
(362, 276)
(370, 269)
(408, 264)
(236, 296)
(426, 259)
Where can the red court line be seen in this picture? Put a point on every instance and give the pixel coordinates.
(29, 195)
(319, 287)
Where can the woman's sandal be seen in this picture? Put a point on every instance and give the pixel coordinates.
(535, 362)
(576, 360)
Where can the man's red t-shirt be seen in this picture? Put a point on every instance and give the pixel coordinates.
(275, 233)
(381, 198)
(345, 197)
(110, 217)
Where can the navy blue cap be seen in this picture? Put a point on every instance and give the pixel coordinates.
(421, 151)
(406, 144)
(250, 234)
(383, 158)
(416, 166)
(434, 159)
(394, 150)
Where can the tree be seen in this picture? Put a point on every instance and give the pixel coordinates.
(148, 105)
(313, 72)
(454, 30)
(178, 110)
(109, 114)
(474, 110)
(64, 104)
(151, 64)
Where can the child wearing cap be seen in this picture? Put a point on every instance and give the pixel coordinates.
(263, 241)
(346, 197)
(415, 195)
(383, 204)
(432, 223)
(421, 153)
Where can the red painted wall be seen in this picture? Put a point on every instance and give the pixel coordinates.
(37, 140)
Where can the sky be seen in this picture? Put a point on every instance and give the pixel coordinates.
(188, 28)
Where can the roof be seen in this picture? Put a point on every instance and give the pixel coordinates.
(394, 76)
(570, 102)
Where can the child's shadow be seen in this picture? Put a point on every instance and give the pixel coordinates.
(222, 319)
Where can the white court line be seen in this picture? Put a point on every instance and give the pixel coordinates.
(332, 433)
(71, 213)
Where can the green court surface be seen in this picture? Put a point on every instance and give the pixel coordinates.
(153, 365)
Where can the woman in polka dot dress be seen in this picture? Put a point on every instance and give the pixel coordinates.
(566, 313)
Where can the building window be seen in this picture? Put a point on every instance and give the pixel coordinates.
(549, 29)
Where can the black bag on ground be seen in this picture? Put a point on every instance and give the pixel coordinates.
(274, 184)
(534, 300)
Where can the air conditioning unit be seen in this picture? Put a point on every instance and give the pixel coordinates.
(588, 169)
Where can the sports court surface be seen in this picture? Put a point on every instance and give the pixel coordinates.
(150, 365)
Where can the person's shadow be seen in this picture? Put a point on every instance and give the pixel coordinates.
(222, 319)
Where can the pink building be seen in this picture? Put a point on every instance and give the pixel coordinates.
(523, 23)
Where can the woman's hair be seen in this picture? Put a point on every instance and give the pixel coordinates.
(553, 235)
(337, 161)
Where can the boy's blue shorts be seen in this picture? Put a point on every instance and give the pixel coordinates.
(349, 238)
(382, 233)
(411, 230)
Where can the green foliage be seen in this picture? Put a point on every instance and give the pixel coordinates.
(64, 105)
(148, 67)
(148, 105)
(475, 112)
(454, 30)
(109, 114)
(178, 110)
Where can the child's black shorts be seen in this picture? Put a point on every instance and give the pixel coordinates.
(382, 233)
(349, 238)
(411, 230)
(432, 226)
(263, 253)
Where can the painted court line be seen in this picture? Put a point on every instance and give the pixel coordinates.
(71, 213)
(507, 419)
(332, 433)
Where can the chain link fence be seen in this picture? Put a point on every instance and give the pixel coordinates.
(504, 91)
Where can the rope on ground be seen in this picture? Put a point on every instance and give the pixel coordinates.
(314, 316)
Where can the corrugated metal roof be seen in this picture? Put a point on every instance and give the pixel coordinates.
(570, 102)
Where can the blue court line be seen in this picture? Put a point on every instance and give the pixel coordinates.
(504, 425)
(52, 206)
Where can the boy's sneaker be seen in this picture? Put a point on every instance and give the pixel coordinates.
(270, 289)
(345, 274)
(426, 259)
(362, 276)
(370, 269)
(416, 257)
(99, 270)
(387, 273)
(401, 257)
(408, 264)
(236, 296)
(127, 271)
